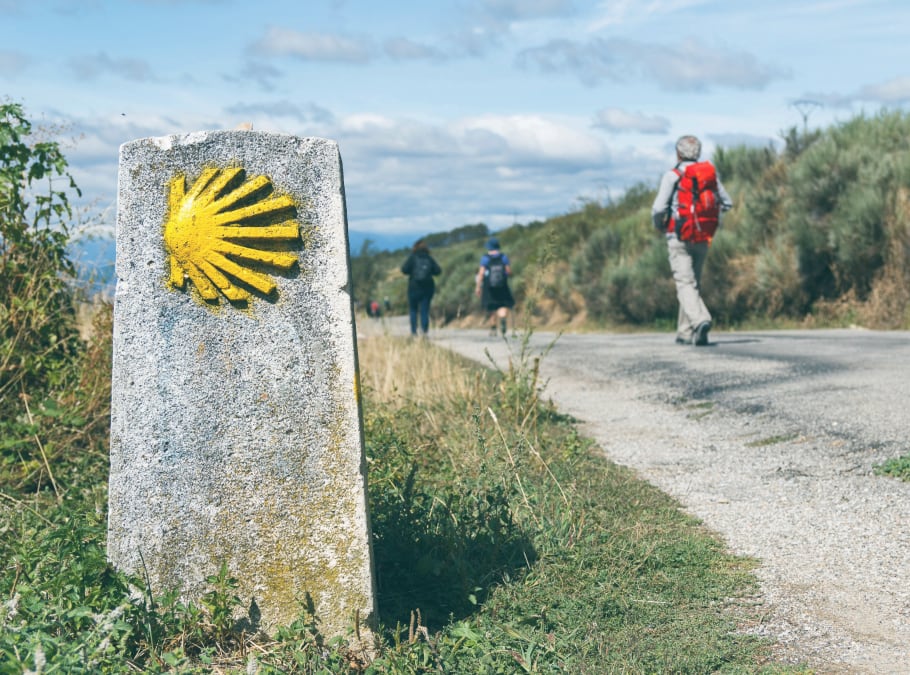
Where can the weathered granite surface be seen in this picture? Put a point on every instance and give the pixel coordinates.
(236, 433)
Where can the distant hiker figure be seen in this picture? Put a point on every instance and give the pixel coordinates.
(687, 210)
(492, 286)
(420, 268)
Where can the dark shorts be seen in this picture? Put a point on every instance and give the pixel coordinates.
(496, 298)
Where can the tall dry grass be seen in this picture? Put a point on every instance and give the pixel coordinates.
(399, 370)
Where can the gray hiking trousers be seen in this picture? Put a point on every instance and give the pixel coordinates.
(687, 262)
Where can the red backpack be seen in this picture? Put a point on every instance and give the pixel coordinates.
(696, 191)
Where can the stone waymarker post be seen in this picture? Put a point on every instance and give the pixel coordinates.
(236, 434)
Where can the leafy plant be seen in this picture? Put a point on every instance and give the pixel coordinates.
(38, 336)
(899, 467)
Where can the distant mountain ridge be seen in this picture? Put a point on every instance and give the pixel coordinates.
(380, 241)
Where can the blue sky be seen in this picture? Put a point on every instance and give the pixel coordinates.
(452, 111)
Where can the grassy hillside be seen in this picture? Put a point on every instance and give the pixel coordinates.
(818, 235)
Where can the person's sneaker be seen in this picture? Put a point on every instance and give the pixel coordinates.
(700, 338)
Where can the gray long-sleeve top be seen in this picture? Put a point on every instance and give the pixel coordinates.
(667, 202)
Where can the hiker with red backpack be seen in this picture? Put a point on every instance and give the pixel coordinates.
(687, 210)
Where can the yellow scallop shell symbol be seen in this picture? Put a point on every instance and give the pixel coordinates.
(212, 231)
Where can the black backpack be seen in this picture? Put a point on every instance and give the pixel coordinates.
(496, 272)
(423, 268)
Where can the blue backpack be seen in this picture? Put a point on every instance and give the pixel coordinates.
(496, 272)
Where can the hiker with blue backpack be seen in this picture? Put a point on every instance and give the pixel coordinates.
(687, 211)
(420, 268)
(492, 286)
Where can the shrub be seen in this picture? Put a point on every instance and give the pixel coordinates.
(743, 163)
(39, 341)
(842, 188)
(642, 291)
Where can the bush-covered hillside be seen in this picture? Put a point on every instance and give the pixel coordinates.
(819, 234)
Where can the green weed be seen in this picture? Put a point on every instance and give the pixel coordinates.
(899, 467)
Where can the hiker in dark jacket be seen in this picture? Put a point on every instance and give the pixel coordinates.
(420, 268)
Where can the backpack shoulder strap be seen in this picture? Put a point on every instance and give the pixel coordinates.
(679, 175)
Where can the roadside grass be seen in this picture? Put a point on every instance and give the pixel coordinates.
(504, 543)
(585, 569)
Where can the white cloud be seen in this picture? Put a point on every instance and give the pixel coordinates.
(394, 144)
(408, 176)
(693, 66)
(589, 62)
(313, 46)
(487, 24)
(896, 90)
(825, 8)
(404, 49)
(182, 2)
(533, 137)
(619, 12)
(93, 157)
(367, 123)
(613, 13)
(829, 100)
(690, 66)
(283, 108)
(619, 120)
(263, 74)
(476, 41)
(404, 175)
(891, 92)
(517, 10)
(93, 66)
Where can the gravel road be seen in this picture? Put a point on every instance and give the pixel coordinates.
(770, 438)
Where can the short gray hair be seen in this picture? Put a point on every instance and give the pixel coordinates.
(688, 148)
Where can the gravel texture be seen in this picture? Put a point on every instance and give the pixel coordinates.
(771, 440)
